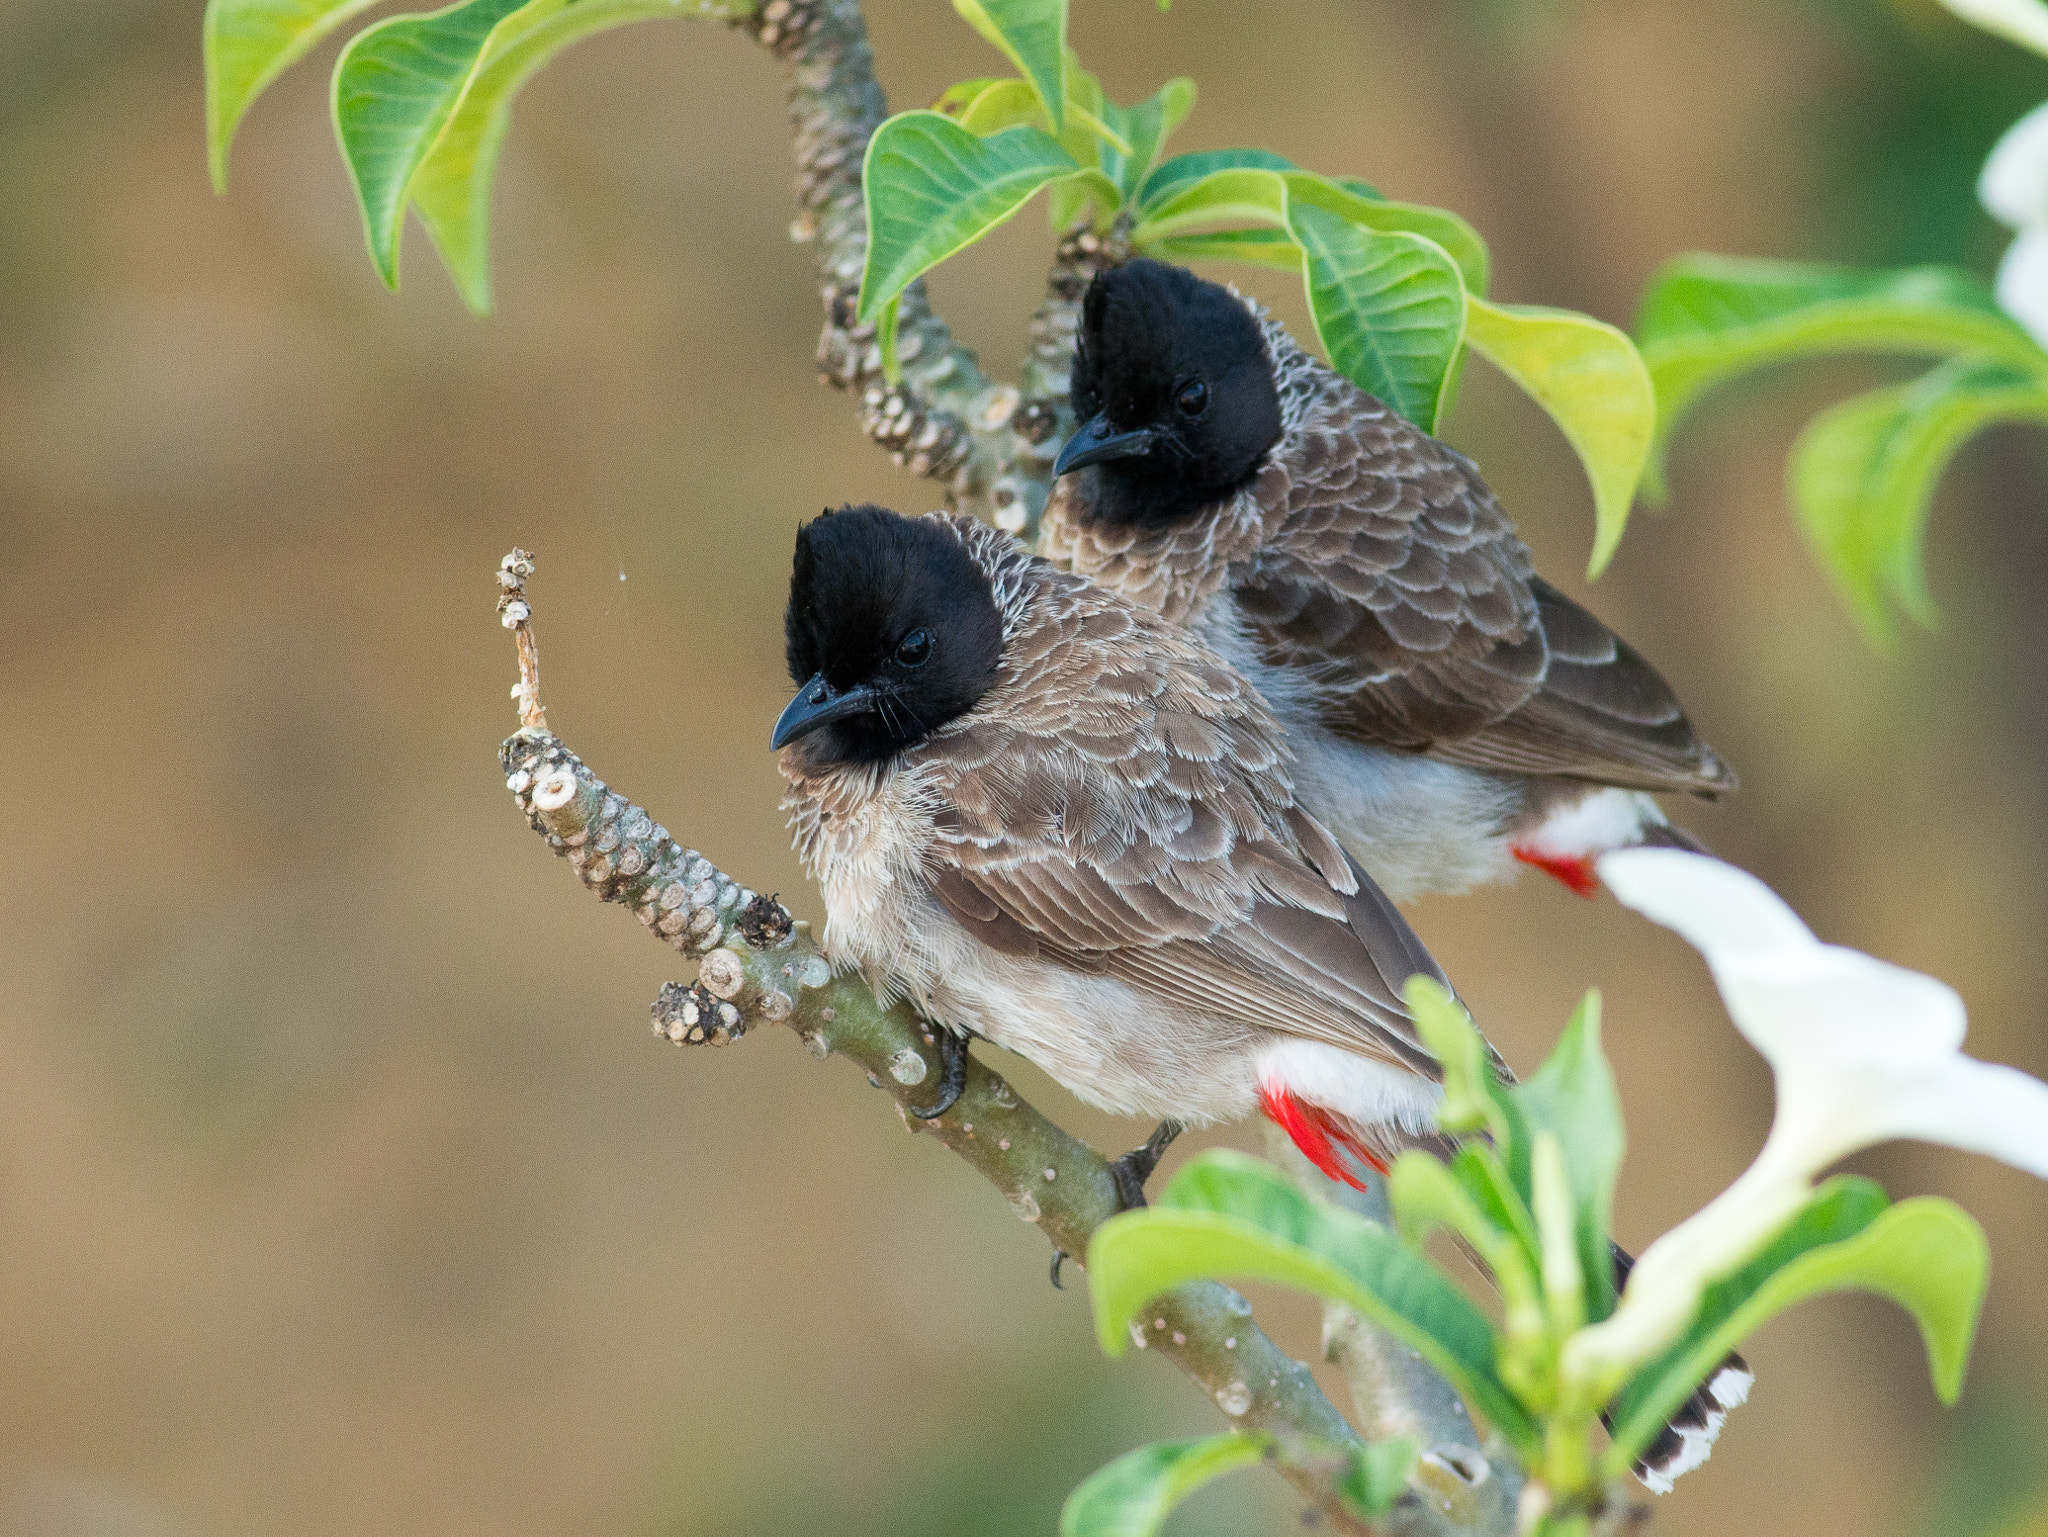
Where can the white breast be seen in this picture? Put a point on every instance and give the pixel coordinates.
(1415, 824)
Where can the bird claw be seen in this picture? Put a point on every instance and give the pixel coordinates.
(1059, 1258)
(1135, 1167)
(952, 1075)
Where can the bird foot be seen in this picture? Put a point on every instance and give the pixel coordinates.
(952, 1074)
(1135, 1167)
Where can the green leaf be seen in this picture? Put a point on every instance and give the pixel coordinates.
(1133, 1496)
(1707, 318)
(1262, 194)
(1557, 1227)
(394, 90)
(1378, 1474)
(1260, 247)
(1032, 35)
(932, 188)
(1388, 307)
(1476, 1166)
(1590, 378)
(1144, 128)
(1229, 1216)
(993, 106)
(1863, 476)
(1170, 177)
(1572, 1097)
(1426, 1196)
(1474, 1098)
(1359, 203)
(451, 189)
(955, 99)
(248, 44)
(1925, 1254)
(1085, 140)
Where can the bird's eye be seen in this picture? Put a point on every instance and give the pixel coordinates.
(1193, 398)
(912, 650)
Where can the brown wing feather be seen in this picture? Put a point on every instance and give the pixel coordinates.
(1391, 574)
(1147, 829)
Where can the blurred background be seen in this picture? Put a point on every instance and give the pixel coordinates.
(342, 1187)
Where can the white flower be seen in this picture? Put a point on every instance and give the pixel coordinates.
(2014, 190)
(2018, 21)
(1863, 1052)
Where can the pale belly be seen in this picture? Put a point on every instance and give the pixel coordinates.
(1106, 1042)
(1416, 824)
(1118, 1047)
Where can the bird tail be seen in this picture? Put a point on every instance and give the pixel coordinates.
(1327, 1140)
(1687, 1439)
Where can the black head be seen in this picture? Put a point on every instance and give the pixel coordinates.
(1174, 390)
(892, 631)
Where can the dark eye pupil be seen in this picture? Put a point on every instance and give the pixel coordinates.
(1193, 397)
(914, 648)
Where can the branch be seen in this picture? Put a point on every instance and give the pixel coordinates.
(1469, 1485)
(758, 964)
(990, 444)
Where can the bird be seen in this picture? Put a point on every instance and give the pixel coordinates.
(1451, 712)
(1051, 819)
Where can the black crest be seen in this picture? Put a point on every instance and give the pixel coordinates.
(895, 607)
(1165, 351)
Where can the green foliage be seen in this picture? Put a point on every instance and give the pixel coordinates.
(1032, 35)
(1864, 473)
(421, 101)
(1389, 309)
(946, 189)
(1133, 1496)
(394, 91)
(248, 44)
(1231, 1216)
(1573, 1098)
(1590, 378)
(1529, 1195)
(451, 189)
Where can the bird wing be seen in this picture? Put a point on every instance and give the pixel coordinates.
(1121, 805)
(1392, 576)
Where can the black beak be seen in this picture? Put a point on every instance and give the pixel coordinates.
(1096, 440)
(817, 705)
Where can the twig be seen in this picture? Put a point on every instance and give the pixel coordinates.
(990, 444)
(758, 964)
(517, 616)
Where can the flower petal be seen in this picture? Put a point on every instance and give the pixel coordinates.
(2023, 282)
(1980, 1107)
(1722, 911)
(1827, 1002)
(2019, 21)
(2013, 186)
